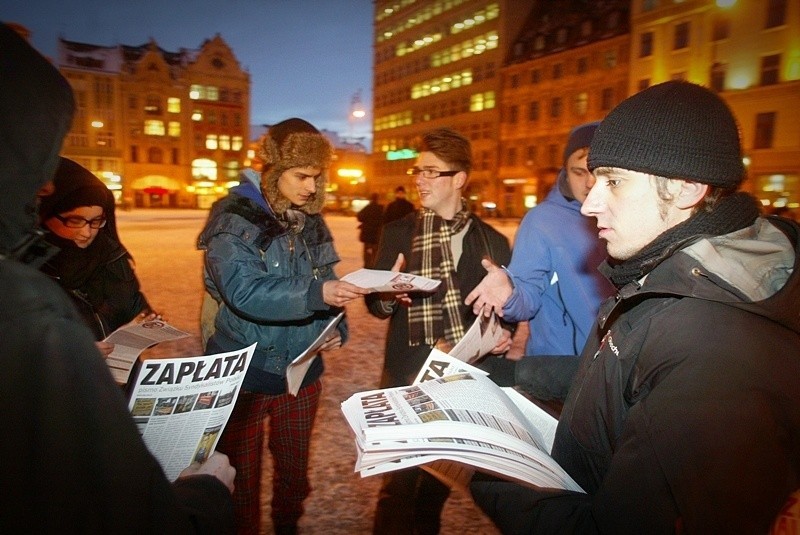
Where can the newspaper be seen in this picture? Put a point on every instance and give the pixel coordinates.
(479, 340)
(181, 405)
(390, 281)
(297, 369)
(458, 416)
(132, 339)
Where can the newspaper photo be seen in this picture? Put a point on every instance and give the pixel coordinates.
(457, 416)
(296, 371)
(132, 339)
(376, 280)
(181, 405)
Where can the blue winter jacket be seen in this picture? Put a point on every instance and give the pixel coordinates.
(268, 279)
(557, 287)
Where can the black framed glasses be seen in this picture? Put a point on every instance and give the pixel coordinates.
(430, 174)
(75, 221)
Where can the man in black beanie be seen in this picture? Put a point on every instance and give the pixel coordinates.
(685, 417)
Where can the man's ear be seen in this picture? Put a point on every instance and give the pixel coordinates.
(460, 179)
(690, 194)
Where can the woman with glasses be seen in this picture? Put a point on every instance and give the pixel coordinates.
(91, 264)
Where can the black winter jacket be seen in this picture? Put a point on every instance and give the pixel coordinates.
(685, 418)
(402, 361)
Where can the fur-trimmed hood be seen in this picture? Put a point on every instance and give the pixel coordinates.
(294, 143)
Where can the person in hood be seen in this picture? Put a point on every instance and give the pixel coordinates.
(92, 265)
(552, 281)
(73, 460)
(269, 260)
(684, 417)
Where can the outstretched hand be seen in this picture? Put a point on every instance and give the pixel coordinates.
(492, 292)
(339, 293)
(402, 298)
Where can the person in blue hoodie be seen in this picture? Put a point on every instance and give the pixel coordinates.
(269, 260)
(552, 280)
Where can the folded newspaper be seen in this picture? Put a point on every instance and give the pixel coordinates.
(132, 339)
(181, 405)
(451, 421)
(377, 280)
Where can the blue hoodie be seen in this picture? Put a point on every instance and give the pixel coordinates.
(557, 287)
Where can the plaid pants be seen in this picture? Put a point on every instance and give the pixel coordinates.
(291, 420)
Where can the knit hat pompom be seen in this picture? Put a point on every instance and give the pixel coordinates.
(676, 129)
(294, 143)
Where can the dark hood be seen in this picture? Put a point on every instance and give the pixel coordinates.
(36, 111)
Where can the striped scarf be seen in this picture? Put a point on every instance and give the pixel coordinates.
(436, 315)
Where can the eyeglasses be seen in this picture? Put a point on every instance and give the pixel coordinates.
(75, 221)
(430, 174)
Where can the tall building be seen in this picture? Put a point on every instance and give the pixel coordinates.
(749, 52)
(161, 128)
(436, 63)
(567, 66)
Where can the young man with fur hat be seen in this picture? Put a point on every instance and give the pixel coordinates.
(552, 281)
(442, 241)
(685, 417)
(269, 260)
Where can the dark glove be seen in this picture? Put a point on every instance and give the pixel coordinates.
(546, 377)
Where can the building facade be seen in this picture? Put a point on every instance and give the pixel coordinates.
(568, 65)
(436, 63)
(160, 128)
(515, 77)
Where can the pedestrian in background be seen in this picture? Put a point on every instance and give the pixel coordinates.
(399, 207)
(269, 260)
(370, 220)
(685, 416)
(443, 241)
(92, 265)
(552, 281)
(73, 460)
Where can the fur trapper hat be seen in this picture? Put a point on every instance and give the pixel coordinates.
(294, 143)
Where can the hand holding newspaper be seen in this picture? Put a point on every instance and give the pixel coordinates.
(455, 419)
(181, 405)
(376, 280)
(132, 339)
(296, 371)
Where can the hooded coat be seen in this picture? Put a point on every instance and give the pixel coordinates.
(100, 279)
(671, 428)
(73, 461)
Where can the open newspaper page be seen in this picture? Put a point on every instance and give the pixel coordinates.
(296, 371)
(181, 405)
(460, 417)
(376, 280)
(132, 339)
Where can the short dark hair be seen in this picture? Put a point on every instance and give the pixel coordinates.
(450, 146)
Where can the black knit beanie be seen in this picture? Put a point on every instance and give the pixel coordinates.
(676, 129)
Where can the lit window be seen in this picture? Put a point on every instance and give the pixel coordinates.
(174, 105)
(197, 115)
(211, 141)
(197, 92)
(212, 93)
(174, 129)
(225, 142)
(236, 143)
(154, 127)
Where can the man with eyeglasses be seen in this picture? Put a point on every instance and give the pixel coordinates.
(92, 265)
(444, 241)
